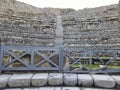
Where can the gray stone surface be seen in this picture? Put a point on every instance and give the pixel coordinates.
(50, 88)
(59, 33)
(39, 79)
(30, 89)
(14, 89)
(97, 89)
(71, 88)
(55, 79)
(3, 80)
(83, 28)
(104, 81)
(58, 88)
(85, 80)
(117, 80)
(70, 79)
(20, 80)
(92, 89)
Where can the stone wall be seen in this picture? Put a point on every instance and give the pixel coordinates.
(92, 28)
(28, 27)
(22, 24)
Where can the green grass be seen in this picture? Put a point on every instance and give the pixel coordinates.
(105, 58)
(94, 66)
(111, 66)
(86, 66)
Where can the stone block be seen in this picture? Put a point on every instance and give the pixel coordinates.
(104, 81)
(13, 89)
(4, 80)
(91, 89)
(97, 89)
(39, 79)
(55, 79)
(85, 80)
(30, 89)
(117, 80)
(70, 79)
(20, 80)
(71, 88)
(50, 88)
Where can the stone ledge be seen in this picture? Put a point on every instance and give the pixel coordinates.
(39, 79)
(58, 88)
(20, 80)
(104, 81)
(59, 79)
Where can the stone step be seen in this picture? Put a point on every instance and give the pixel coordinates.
(57, 88)
(59, 79)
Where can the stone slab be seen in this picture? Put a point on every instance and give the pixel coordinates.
(22, 89)
(14, 89)
(40, 79)
(57, 88)
(70, 79)
(117, 80)
(20, 80)
(104, 81)
(71, 88)
(92, 89)
(50, 88)
(85, 80)
(30, 89)
(55, 79)
(4, 80)
(97, 89)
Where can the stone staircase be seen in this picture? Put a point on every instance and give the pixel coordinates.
(96, 28)
(59, 81)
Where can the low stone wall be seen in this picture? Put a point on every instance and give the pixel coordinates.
(59, 79)
(57, 88)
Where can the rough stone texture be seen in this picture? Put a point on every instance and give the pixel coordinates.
(28, 26)
(59, 88)
(20, 80)
(85, 80)
(59, 33)
(95, 28)
(70, 79)
(4, 80)
(50, 88)
(22, 24)
(55, 79)
(30, 89)
(71, 88)
(91, 89)
(96, 89)
(104, 81)
(117, 80)
(14, 89)
(39, 79)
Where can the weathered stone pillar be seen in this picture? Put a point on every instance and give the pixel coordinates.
(59, 33)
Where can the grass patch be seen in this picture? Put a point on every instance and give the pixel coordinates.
(94, 66)
(111, 66)
(85, 65)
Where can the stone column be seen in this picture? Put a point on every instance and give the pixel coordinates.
(59, 33)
